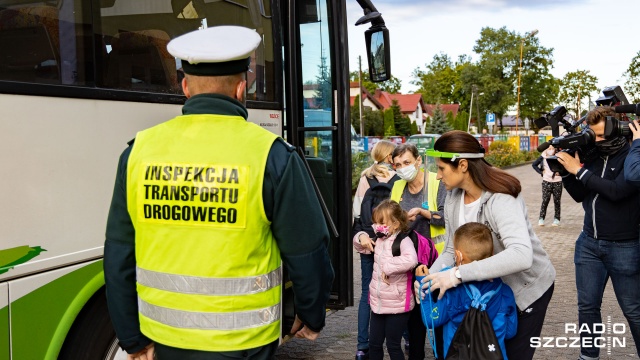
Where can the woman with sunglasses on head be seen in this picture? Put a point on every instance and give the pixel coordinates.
(482, 193)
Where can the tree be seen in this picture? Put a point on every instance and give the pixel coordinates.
(401, 122)
(414, 128)
(497, 73)
(389, 127)
(372, 120)
(323, 98)
(438, 123)
(632, 84)
(436, 84)
(461, 121)
(574, 87)
(391, 86)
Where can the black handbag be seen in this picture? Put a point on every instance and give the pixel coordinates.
(475, 338)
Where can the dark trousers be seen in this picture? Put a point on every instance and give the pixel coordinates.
(418, 334)
(530, 321)
(364, 310)
(548, 189)
(266, 352)
(387, 327)
(597, 261)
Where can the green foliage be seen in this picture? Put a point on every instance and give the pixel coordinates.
(372, 119)
(323, 98)
(438, 124)
(576, 86)
(359, 162)
(414, 128)
(461, 120)
(391, 86)
(502, 153)
(495, 75)
(389, 127)
(632, 83)
(529, 155)
(401, 122)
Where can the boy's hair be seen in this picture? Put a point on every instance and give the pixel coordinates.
(389, 209)
(474, 240)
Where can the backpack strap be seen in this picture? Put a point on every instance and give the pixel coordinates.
(372, 181)
(395, 247)
(478, 300)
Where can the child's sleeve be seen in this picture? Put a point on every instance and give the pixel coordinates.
(407, 260)
(357, 246)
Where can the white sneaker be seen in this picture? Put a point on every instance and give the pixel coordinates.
(556, 222)
(541, 222)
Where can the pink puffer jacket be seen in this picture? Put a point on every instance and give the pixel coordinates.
(394, 297)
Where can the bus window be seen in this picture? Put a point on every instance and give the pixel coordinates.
(136, 33)
(31, 46)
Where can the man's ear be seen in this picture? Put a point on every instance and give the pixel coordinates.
(240, 88)
(185, 88)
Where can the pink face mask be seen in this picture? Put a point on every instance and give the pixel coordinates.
(382, 231)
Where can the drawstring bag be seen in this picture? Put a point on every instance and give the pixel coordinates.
(475, 338)
(427, 252)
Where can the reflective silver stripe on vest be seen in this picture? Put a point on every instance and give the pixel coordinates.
(209, 286)
(208, 320)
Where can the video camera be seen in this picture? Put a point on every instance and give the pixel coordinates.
(569, 142)
(584, 140)
(613, 96)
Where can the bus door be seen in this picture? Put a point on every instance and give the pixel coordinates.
(317, 118)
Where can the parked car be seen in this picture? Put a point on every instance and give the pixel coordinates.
(423, 142)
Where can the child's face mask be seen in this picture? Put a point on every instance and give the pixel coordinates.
(382, 231)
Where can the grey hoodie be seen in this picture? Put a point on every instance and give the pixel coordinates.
(519, 258)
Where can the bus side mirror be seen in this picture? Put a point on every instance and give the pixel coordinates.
(378, 53)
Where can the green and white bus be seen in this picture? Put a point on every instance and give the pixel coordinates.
(78, 79)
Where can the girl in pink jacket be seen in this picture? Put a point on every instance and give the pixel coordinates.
(390, 289)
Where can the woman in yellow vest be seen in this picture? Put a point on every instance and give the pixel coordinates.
(425, 205)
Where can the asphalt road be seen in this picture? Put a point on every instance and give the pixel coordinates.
(338, 339)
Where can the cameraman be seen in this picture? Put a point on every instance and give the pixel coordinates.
(632, 164)
(608, 245)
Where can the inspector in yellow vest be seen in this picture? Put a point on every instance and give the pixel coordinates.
(208, 268)
(437, 232)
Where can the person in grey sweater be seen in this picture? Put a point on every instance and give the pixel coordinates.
(481, 193)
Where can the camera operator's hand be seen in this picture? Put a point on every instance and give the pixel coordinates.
(570, 163)
(635, 129)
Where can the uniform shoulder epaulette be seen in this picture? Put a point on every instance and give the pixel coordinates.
(289, 147)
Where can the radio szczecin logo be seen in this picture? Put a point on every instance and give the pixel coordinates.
(609, 335)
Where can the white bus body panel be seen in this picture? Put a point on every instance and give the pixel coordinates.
(59, 158)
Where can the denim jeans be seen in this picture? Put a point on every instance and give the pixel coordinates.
(364, 310)
(596, 261)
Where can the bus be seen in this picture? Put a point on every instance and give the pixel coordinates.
(79, 78)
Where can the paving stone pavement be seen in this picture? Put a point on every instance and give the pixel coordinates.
(338, 339)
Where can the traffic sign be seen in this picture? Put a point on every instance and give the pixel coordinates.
(491, 119)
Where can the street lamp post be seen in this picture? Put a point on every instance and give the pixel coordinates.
(473, 91)
(532, 33)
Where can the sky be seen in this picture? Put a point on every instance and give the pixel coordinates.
(594, 35)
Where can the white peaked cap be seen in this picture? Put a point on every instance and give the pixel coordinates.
(219, 50)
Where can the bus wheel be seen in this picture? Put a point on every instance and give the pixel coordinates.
(92, 336)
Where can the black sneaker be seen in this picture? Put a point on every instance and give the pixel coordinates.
(362, 354)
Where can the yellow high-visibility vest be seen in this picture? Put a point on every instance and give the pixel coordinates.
(208, 268)
(437, 232)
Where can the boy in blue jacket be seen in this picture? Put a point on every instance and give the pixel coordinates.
(472, 242)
